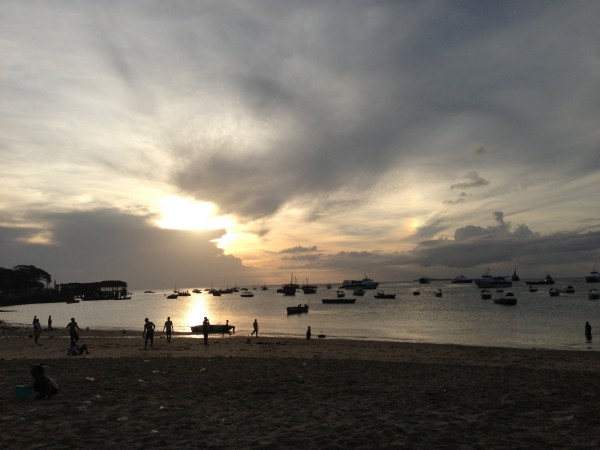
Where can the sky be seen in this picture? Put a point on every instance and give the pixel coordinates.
(195, 143)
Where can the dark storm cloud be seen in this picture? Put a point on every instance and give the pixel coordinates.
(106, 244)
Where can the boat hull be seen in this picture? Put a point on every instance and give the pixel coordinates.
(338, 300)
(214, 329)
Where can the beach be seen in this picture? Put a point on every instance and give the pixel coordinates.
(275, 393)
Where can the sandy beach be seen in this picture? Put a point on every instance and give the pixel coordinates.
(293, 393)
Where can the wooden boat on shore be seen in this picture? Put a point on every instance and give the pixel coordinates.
(297, 309)
(214, 329)
(382, 294)
(338, 300)
(506, 299)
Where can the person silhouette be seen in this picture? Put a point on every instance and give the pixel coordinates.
(169, 328)
(255, 328)
(148, 333)
(588, 331)
(205, 325)
(308, 333)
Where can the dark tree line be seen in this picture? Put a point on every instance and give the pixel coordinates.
(23, 277)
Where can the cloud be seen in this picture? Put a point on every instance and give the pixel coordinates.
(473, 181)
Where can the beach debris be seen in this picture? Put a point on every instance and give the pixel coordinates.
(82, 408)
(202, 370)
(122, 419)
(156, 371)
(90, 378)
(153, 431)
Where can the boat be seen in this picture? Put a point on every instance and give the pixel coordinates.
(506, 299)
(532, 289)
(365, 283)
(340, 294)
(148, 292)
(185, 294)
(247, 294)
(424, 280)
(297, 309)
(73, 300)
(554, 292)
(461, 279)
(416, 292)
(438, 293)
(568, 290)
(546, 280)
(214, 329)
(291, 287)
(173, 295)
(485, 294)
(264, 288)
(489, 281)
(593, 294)
(593, 277)
(309, 288)
(382, 294)
(328, 286)
(360, 292)
(196, 291)
(514, 276)
(338, 300)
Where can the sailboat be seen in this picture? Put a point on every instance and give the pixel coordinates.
(515, 277)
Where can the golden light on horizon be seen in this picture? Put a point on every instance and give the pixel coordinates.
(179, 213)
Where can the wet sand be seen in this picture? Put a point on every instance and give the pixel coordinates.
(293, 393)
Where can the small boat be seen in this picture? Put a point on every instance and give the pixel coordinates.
(328, 286)
(416, 292)
(247, 294)
(360, 292)
(554, 292)
(568, 290)
(593, 277)
(382, 294)
(547, 280)
(196, 291)
(185, 294)
(438, 293)
(173, 295)
(485, 294)
(593, 294)
(532, 289)
(264, 288)
(340, 293)
(297, 309)
(291, 287)
(461, 279)
(424, 280)
(148, 292)
(506, 299)
(514, 276)
(73, 300)
(309, 288)
(338, 300)
(214, 329)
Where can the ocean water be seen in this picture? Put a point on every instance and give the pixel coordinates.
(458, 317)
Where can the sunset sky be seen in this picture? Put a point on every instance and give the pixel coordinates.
(192, 143)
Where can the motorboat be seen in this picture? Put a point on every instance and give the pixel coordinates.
(532, 289)
(365, 283)
(382, 294)
(338, 300)
(424, 280)
(340, 293)
(438, 293)
(593, 277)
(568, 290)
(297, 309)
(593, 294)
(490, 281)
(506, 299)
(546, 280)
(247, 294)
(416, 292)
(173, 295)
(461, 279)
(485, 294)
(553, 292)
(360, 292)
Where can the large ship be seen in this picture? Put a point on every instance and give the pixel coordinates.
(365, 283)
(489, 281)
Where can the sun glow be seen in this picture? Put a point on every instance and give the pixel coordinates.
(178, 213)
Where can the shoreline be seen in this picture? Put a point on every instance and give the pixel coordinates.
(282, 393)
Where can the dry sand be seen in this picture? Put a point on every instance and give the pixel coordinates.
(289, 393)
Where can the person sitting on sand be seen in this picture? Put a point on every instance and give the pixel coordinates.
(169, 328)
(148, 333)
(44, 385)
(77, 350)
(73, 327)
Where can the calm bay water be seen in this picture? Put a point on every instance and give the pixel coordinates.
(459, 317)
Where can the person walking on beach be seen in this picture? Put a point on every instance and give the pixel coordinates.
(588, 332)
(73, 327)
(148, 333)
(205, 325)
(169, 328)
(255, 328)
(37, 329)
(49, 323)
(308, 334)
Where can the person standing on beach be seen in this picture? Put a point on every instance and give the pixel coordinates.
(308, 334)
(73, 327)
(37, 329)
(205, 325)
(148, 333)
(588, 332)
(169, 328)
(49, 323)
(255, 327)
